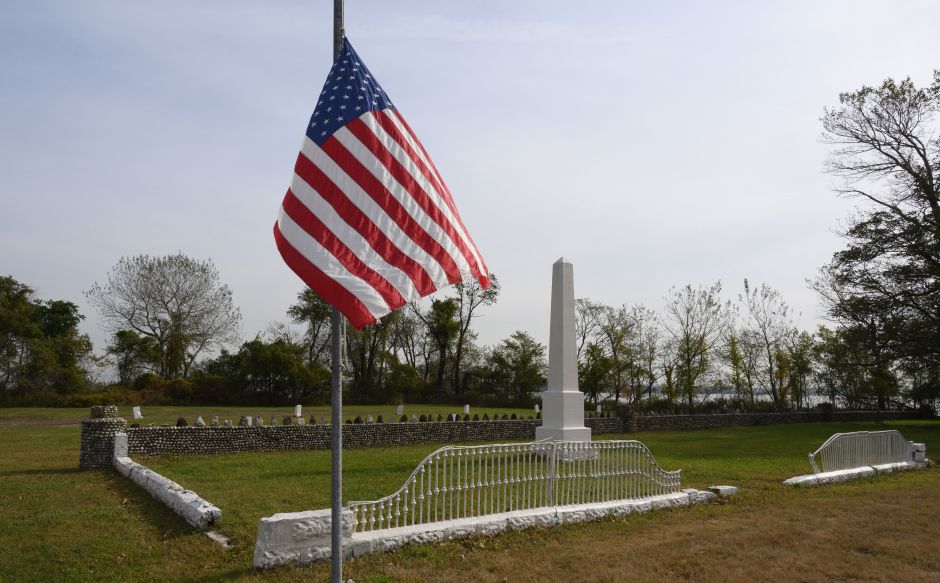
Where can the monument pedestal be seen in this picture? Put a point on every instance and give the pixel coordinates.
(563, 417)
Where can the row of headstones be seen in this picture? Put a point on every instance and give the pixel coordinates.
(257, 420)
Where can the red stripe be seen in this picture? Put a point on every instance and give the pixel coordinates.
(365, 135)
(324, 286)
(355, 218)
(430, 173)
(314, 227)
(375, 189)
(392, 130)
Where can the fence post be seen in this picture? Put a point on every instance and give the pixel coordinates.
(551, 473)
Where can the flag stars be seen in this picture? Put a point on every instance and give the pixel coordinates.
(342, 107)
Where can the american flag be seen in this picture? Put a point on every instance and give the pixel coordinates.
(368, 222)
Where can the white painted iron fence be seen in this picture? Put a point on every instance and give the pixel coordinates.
(843, 451)
(477, 480)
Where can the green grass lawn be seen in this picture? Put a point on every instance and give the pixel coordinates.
(57, 523)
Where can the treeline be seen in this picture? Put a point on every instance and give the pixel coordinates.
(701, 352)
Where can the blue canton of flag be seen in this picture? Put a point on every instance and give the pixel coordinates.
(350, 91)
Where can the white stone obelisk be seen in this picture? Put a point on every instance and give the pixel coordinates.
(562, 402)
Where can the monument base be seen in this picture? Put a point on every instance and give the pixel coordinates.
(563, 433)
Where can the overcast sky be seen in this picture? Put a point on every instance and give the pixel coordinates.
(652, 144)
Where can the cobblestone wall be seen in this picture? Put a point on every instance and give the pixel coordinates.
(209, 440)
(97, 442)
(713, 421)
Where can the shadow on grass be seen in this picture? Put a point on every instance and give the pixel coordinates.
(40, 472)
(233, 574)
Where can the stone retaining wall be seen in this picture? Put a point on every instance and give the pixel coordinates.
(714, 421)
(239, 438)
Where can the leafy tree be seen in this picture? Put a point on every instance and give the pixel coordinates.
(800, 351)
(884, 287)
(178, 302)
(132, 355)
(41, 349)
(517, 367)
(593, 372)
(614, 330)
(442, 328)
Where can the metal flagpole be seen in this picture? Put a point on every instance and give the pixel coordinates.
(336, 386)
(336, 435)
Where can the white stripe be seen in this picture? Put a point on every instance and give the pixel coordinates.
(365, 156)
(419, 151)
(374, 212)
(393, 116)
(319, 256)
(310, 198)
(399, 153)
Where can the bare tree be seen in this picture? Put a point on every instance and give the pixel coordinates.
(773, 328)
(177, 301)
(470, 296)
(695, 319)
(315, 315)
(586, 323)
(647, 345)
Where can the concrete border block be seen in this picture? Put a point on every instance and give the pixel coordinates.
(724, 491)
(196, 511)
(301, 538)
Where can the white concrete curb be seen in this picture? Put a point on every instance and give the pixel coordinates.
(197, 512)
(839, 476)
(301, 538)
